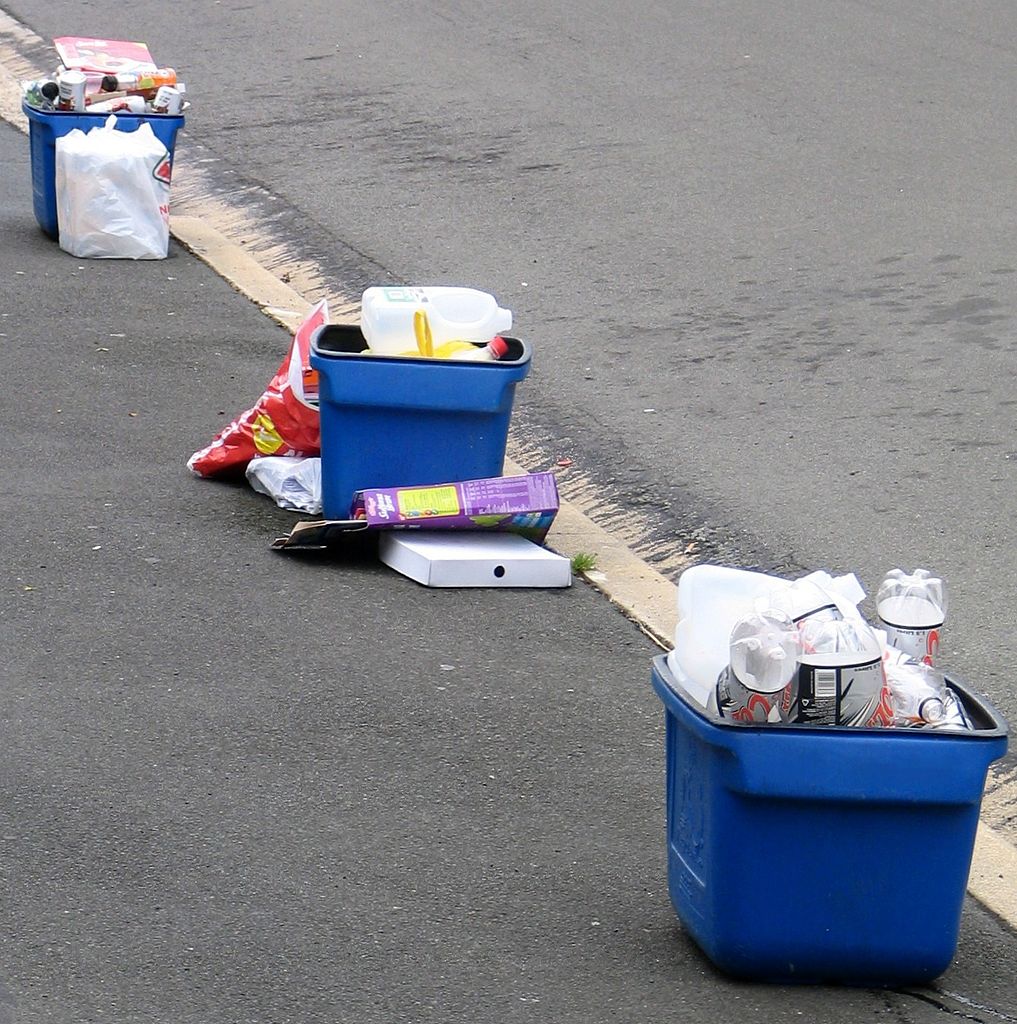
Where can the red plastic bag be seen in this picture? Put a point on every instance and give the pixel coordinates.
(284, 421)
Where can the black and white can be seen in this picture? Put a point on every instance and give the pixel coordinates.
(71, 86)
(168, 100)
(840, 679)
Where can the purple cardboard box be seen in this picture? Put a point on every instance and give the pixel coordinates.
(517, 504)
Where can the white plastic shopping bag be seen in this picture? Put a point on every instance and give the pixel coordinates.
(291, 481)
(112, 191)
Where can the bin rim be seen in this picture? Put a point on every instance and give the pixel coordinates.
(44, 115)
(380, 358)
(671, 691)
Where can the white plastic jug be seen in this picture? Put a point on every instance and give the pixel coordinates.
(711, 599)
(454, 314)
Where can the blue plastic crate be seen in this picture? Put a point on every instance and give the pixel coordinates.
(390, 422)
(812, 854)
(45, 127)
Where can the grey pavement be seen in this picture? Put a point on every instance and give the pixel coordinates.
(245, 786)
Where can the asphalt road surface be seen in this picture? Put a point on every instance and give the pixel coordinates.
(764, 253)
(764, 257)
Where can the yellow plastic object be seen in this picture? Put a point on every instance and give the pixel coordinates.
(448, 349)
(425, 342)
(422, 332)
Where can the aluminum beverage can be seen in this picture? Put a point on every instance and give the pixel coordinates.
(763, 658)
(735, 700)
(840, 680)
(72, 90)
(912, 626)
(168, 100)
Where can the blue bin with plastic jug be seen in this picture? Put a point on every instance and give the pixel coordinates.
(822, 854)
(390, 421)
(46, 126)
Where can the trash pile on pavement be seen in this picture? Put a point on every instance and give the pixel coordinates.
(399, 425)
(799, 734)
(106, 76)
(759, 649)
(102, 131)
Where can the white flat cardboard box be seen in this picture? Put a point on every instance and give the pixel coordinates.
(451, 558)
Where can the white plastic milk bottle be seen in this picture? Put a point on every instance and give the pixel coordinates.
(454, 314)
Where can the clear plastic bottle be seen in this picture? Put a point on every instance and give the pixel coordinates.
(912, 608)
(146, 83)
(454, 314)
(920, 695)
(710, 599)
(802, 599)
(917, 692)
(42, 93)
(840, 676)
(764, 652)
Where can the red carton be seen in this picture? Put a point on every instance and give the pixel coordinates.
(109, 56)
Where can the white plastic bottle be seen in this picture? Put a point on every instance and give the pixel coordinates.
(454, 314)
(764, 652)
(912, 609)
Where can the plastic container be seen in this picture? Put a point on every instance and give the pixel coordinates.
(454, 314)
(46, 126)
(840, 678)
(830, 854)
(711, 599)
(912, 609)
(764, 654)
(393, 422)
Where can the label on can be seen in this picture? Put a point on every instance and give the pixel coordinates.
(735, 700)
(837, 694)
(168, 100)
(922, 643)
(71, 86)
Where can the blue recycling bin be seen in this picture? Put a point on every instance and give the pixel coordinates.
(839, 855)
(46, 126)
(388, 421)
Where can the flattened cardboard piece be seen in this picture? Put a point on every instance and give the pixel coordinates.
(317, 534)
(110, 56)
(449, 558)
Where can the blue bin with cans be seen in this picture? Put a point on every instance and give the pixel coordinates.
(46, 126)
(391, 421)
(822, 854)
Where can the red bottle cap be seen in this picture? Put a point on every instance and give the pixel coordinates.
(498, 346)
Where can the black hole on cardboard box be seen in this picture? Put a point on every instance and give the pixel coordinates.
(499, 571)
